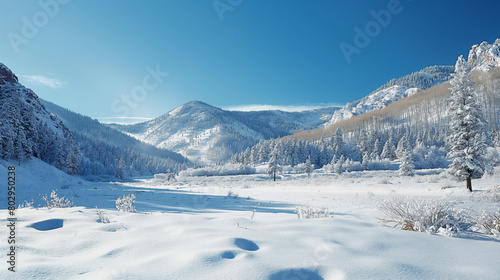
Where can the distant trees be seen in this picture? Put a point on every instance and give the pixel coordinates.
(466, 140)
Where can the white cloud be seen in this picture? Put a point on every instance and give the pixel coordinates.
(43, 80)
(123, 120)
(286, 108)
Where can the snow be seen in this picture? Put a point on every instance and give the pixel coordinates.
(192, 229)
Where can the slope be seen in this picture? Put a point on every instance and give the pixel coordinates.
(103, 147)
(27, 129)
(393, 91)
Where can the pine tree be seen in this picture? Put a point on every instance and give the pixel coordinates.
(466, 140)
(309, 167)
(389, 150)
(273, 166)
(338, 142)
(403, 145)
(338, 167)
(407, 168)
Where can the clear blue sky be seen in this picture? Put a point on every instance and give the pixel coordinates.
(87, 55)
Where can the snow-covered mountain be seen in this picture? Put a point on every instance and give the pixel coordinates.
(27, 129)
(208, 134)
(485, 56)
(393, 91)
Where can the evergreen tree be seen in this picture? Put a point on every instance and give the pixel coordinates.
(403, 145)
(466, 140)
(338, 167)
(309, 167)
(338, 142)
(274, 165)
(407, 168)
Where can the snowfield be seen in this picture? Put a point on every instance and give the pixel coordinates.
(242, 227)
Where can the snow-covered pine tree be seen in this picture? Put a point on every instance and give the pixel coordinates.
(309, 167)
(403, 145)
(338, 142)
(466, 141)
(338, 168)
(407, 168)
(273, 166)
(366, 160)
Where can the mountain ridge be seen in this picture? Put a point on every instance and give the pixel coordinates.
(209, 134)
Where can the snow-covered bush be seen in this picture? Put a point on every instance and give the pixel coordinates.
(492, 194)
(383, 164)
(490, 222)
(310, 212)
(429, 157)
(102, 218)
(350, 166)
(53, 201)
(219, 170)
(165, 177)
(26, 204)
(424, 215)
(126, 203)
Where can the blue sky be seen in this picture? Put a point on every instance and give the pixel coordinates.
(110, 59)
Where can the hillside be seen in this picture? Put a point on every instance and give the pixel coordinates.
(27, 129)
(103, 148)
(393, 91)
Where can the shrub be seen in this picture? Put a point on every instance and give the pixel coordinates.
(126, 203)
(26, 204)
(102, 218)
(424, 215)
(230, 193)
(53, 201)
(309, 212)
(490, 222)
(492, 194)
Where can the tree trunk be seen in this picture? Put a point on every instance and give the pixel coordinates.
(274, 175)
(469, 184)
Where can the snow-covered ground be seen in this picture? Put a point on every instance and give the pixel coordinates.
(240, 227)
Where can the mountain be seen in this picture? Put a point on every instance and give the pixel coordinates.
(208, 134)
(27, 129)
(107, 151)
(393, 91)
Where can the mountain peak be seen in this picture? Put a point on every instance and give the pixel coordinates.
(6, 76)
(485, 56)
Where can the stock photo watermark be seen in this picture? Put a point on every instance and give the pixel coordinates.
(31, 26)
(373, 28)
(223, 6)
(151, 81)
(11, 219)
